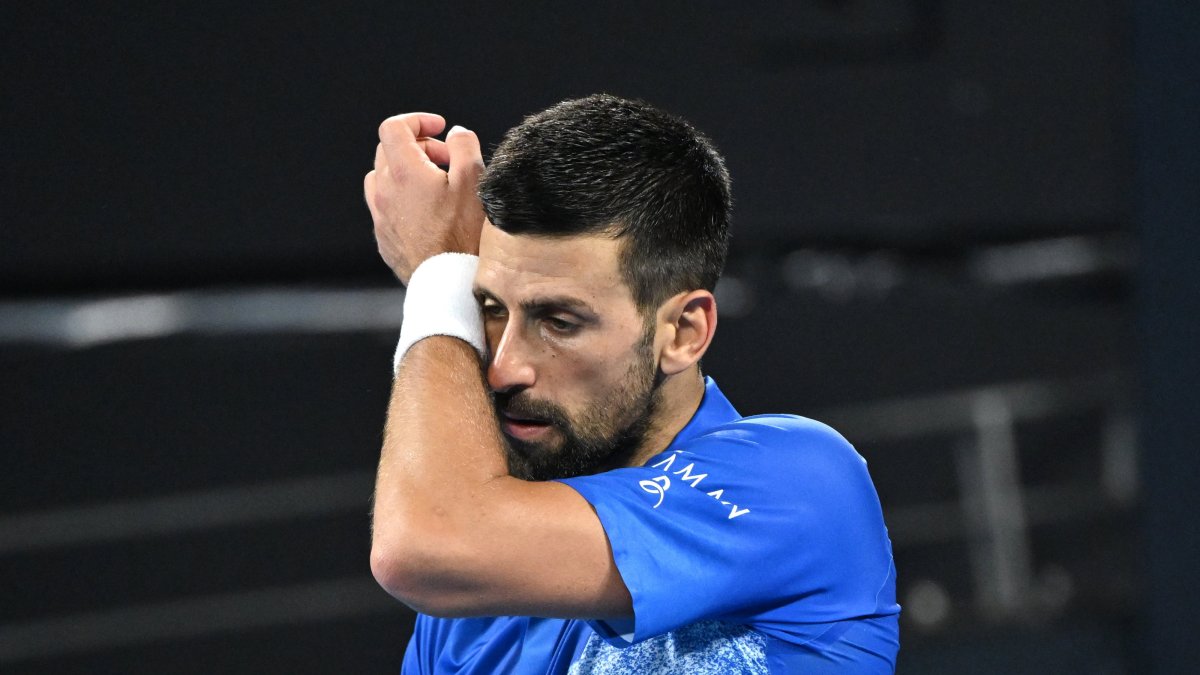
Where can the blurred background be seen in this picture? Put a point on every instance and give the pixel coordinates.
(965, 235)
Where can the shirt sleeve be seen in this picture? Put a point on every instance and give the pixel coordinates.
(415, 660)
(769, 521)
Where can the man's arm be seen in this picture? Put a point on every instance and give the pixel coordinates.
(453, 534)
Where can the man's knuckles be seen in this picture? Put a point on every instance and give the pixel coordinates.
(399, 128)
(410, 126)
(392, 131)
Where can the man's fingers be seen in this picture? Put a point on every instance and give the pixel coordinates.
(435, 150)
(369, 195)
(411, 126)
(398, 137)
(466, 157)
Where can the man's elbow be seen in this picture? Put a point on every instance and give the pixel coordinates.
(421, 577)
(402, 571)
(391, 571)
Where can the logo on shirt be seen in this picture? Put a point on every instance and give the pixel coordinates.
(660, 484)
(657, 486)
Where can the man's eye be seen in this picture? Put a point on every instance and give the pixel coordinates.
(494, 311)
(561, 325)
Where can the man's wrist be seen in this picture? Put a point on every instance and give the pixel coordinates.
(440, 301)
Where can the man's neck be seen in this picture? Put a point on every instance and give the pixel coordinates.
(680, 397)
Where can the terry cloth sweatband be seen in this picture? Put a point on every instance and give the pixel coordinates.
(440, 301)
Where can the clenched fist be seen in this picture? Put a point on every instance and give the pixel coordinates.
(419, 209)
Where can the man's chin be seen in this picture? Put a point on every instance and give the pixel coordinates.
(531, 451)
(531, 461)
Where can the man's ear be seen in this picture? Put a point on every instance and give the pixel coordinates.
(687, 323)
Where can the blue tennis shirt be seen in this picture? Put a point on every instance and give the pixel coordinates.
(750, 545)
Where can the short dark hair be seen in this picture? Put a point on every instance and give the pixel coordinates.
(607, 165)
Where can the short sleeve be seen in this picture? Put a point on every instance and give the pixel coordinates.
(416, 659)
(770, 521)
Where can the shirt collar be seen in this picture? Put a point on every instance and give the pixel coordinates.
(714, 410)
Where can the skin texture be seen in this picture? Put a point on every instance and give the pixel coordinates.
(454, 534)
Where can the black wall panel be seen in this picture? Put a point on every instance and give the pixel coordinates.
(177, 144)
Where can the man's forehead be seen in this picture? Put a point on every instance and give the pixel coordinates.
(583, 264)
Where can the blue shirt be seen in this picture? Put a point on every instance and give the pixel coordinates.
(750, 545)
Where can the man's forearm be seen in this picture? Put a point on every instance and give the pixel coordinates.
(441, 455)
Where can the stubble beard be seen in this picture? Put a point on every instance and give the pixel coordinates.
(605, 436)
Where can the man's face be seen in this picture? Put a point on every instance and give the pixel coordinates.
(573, 368)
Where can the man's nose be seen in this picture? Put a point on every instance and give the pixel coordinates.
(511, 366)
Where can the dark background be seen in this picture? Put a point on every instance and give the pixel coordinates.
(965, 235)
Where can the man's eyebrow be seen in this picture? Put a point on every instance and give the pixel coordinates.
(543, 303)
(557, 302)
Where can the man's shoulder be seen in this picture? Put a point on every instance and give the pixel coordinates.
(780, 450)
(777, 433)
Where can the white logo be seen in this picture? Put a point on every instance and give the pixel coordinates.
(657, 486)
(686, 474)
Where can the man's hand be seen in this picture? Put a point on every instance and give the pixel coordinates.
(419, 209)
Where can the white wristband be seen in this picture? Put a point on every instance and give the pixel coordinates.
(440, 301)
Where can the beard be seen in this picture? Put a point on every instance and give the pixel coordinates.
(605, 436)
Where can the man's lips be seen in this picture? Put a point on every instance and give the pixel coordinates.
(524, 429)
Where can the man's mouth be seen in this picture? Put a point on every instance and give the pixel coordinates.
(523, 428)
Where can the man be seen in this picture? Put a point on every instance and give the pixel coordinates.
(554, 463)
